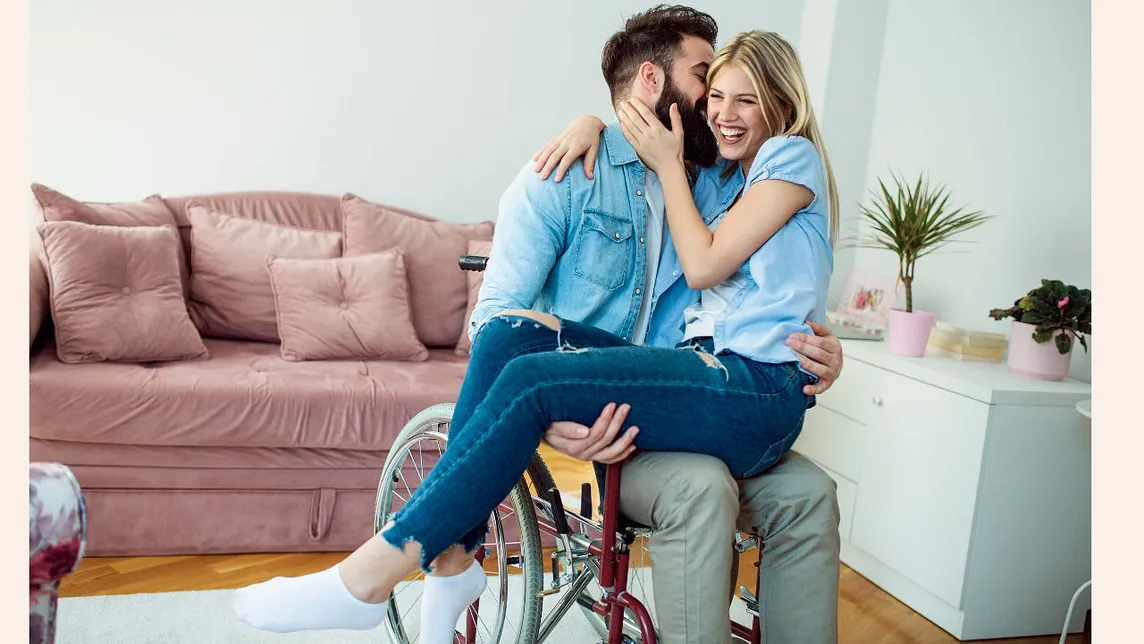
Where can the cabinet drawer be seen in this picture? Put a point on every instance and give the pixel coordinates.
(832, 440)
(851, 395)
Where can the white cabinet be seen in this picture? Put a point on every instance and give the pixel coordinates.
(963, 488)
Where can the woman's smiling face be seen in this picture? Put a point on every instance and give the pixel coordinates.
(735, 115)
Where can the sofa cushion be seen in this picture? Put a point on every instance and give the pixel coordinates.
(346, 307)
(152, 211)
(438, 287)
(476, 278)
(231, 296)
(245, 395)
(116, 293)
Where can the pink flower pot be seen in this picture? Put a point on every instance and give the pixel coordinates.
(1036, 360)
(909, 332)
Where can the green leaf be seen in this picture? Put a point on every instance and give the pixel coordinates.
(1064, 343)
(1042, 334)
(911, 221)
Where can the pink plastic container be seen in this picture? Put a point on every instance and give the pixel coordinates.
(909, 332)
(1036, 360)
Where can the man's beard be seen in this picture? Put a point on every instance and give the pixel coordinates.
(699, 144)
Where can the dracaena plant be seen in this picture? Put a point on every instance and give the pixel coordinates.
(1052, 307)
(913, 221)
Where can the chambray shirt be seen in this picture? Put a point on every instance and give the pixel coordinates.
(576, 249)
(789, 275)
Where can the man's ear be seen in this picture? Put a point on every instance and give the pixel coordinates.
(651, 77)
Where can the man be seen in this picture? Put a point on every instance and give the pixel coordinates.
(597, 251)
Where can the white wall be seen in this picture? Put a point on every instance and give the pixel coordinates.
(991, 98)
(432, 106)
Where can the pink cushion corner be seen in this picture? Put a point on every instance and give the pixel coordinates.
(345, 308)
(116, 294)
(57, 206)
(231, 294)
(476, 278)
(437, 286)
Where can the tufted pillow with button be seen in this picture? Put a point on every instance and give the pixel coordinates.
(116, 293)
(352, 308)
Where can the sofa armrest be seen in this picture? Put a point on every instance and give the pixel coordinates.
(38, 294)
(57, 529)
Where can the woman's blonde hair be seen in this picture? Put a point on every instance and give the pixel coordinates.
(776, 74)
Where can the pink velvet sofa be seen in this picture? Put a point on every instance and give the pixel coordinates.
(245, 442)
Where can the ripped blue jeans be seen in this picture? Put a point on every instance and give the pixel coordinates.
(524, 375)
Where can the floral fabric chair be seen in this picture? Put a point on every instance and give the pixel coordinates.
(57, 525)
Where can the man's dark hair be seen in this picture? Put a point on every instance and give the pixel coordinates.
(654, 35)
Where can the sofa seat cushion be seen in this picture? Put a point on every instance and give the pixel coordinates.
(244, 395)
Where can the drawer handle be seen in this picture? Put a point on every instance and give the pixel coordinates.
(877, 400)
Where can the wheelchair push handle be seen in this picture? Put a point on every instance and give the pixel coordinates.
(473, 262)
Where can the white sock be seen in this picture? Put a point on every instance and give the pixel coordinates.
(312, 602)
(445, 600)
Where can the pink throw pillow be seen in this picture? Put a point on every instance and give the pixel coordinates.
(476, 278)
(352, 308)
(116, 294)
(152, 211)
(438, 289)
(231, 295)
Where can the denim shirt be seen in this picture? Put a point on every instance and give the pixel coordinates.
(575, 248)
(789, 275)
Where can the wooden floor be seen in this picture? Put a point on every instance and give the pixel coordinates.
(867, 614)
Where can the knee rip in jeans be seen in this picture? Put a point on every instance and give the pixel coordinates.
(518, 317)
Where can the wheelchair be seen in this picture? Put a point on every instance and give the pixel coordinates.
(590, 560)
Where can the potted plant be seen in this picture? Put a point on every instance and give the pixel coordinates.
(1053, 311)
(912, 222)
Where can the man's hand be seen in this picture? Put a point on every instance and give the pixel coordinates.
(820, 354)
(598, 442)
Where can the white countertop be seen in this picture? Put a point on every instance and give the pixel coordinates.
(989, 382)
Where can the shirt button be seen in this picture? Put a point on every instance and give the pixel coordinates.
(617, 235)
(675, 273)
(638, 291)
(641, 240)
(126, 290)
(639, 193)
(344, 305)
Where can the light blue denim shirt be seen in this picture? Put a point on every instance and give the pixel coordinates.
(575, 248)
(789, 275)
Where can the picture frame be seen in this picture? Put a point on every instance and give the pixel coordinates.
(868, 298)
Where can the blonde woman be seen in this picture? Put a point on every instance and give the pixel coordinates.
(761, 269)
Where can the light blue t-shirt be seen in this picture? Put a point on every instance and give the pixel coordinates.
(785, 282)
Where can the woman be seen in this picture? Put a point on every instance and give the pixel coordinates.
(762, 272)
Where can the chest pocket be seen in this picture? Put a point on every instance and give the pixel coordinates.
(603, 251)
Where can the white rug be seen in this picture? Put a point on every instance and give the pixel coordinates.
(207, 617)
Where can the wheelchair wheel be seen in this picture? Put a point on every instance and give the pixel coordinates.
(509, 609)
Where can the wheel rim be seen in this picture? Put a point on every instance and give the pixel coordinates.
(500, 617)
